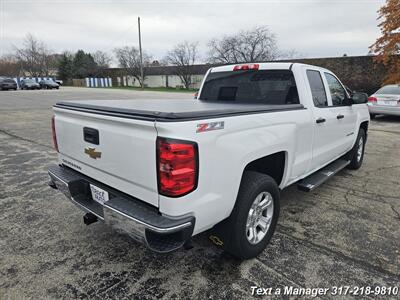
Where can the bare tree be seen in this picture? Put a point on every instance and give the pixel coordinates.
(34, 57)
(183, 56)
(255, 45)
(102, 59)
(9, 65)
(129, 59)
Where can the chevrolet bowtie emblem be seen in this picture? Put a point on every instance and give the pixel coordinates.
(92, 153)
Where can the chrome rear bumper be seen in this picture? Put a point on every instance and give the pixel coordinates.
(124, 213)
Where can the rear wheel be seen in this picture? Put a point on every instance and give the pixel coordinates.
(357, 153)
(254, 217)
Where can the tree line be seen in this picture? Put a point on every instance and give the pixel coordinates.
(255, 45)
(258, 44)
(34, 58)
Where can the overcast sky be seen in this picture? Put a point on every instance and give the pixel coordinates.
(323, 28)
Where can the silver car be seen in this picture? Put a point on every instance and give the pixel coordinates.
(385, 101)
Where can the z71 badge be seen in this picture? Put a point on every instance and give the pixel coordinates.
(203, 127)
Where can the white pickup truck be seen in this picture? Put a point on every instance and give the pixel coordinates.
(165, 170)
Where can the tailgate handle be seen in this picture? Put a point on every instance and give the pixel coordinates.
(91, 135)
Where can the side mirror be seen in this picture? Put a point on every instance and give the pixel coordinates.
(360, 98)
(348, 101)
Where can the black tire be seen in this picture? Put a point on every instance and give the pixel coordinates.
(372, 116)
(235, 233)
(356, 158)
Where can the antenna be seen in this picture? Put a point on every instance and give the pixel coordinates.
(141, 56)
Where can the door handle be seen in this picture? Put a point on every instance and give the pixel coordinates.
(320, 120)
(91, 135)
(339, 117)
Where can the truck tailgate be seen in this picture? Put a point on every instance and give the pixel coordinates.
(127, 146)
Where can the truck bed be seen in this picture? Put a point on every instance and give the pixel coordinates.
(163, 110)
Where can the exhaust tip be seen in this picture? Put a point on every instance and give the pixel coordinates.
(89, 218)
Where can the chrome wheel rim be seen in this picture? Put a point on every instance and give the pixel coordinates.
(259, 217)
(360, 149)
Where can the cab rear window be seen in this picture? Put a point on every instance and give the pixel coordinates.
(252, 86)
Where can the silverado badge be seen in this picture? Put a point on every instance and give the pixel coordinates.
(92, 152)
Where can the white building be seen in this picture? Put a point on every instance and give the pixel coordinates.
(158, 76)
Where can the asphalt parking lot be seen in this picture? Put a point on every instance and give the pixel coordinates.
(346, 233)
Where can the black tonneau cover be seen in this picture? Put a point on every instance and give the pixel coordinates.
(166, 110)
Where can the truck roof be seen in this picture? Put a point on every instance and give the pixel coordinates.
(261, 66)
(264, 66)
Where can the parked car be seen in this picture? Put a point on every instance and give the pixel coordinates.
(7, 83)
(29, 84)
(48, 84)
(59, 81)
(164, 171)
(385, 101)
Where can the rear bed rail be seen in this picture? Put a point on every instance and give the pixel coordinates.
(173, 110)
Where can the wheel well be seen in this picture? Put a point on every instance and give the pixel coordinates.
(272, 165)
(364, 125)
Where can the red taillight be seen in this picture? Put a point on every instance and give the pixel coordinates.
(177, 167)
(246, 67)
(372, 99)
(53, 129)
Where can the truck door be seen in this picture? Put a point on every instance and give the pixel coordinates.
(326, 141)
(346, 116)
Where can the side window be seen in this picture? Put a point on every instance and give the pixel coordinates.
(317, 88)
(337, 91)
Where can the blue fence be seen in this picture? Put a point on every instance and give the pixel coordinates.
(98, 82)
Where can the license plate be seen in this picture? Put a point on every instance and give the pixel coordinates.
(98, 194)
(389, 102)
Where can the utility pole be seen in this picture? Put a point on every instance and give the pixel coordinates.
(141, 56)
